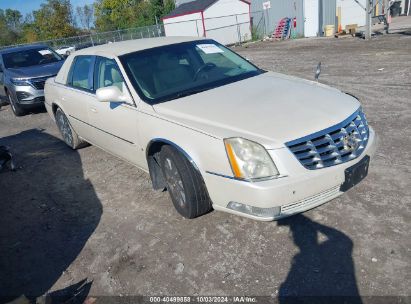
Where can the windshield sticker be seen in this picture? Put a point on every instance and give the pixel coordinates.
(44, 52)
(210, 48)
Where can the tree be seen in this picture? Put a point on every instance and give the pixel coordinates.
(122, 14)
(28, 34)
(54, 20)
(10, 26)
(86, 15)
(13, 19)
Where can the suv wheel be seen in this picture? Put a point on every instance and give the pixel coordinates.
(184, 183)
(70, 137)
(17, 109)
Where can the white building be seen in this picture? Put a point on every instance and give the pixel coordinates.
(312, 16)
(227, 21)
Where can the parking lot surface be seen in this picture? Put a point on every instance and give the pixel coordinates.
(72, 215)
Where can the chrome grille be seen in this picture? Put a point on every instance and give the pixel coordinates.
(38, 83)
(310, 202)
(332, 146)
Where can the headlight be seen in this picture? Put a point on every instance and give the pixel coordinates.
(249, 160)
(20, 82)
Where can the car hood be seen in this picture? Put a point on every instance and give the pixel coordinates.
(42, 70)
(271, 109)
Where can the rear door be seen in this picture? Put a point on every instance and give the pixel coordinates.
(115, 123)
(78, 93)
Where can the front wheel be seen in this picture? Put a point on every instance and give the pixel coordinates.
(16, 108)
(70, 137)
(184, 183)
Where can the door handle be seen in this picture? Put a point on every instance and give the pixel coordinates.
(94, 110)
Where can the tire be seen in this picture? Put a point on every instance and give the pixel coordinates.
(15, 107)
(70, 136)
(184, 184)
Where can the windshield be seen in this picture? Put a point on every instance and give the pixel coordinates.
(30, 57)
(177, 70)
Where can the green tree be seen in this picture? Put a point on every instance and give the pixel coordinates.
(54, 20)
(28, 32)
(13, 19)
(85, 15)
(10, 26)
(121, 14)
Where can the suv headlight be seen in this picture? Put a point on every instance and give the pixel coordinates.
(20, 82)
(249, 160)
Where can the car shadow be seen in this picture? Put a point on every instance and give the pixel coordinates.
(323, 270)
(48, 212)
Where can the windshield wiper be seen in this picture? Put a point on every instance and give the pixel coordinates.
(186, 93)
(190, 92)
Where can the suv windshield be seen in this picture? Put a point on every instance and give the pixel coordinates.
(30, 57)
(177, 70)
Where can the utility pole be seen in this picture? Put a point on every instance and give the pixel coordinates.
(368, 14)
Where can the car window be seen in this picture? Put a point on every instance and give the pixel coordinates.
(107, 73)
(30, 57)
(177, 70)
(80, 73)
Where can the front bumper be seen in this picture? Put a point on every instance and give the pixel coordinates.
(27, 95)
(297, 190)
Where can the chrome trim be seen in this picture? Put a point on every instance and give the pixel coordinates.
(326, 148)
(247, 180)
(221, 175)
(162, 140)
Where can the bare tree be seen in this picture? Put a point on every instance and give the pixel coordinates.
(85, 15)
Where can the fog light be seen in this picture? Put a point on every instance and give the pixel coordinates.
(256, 211)
(23, 95)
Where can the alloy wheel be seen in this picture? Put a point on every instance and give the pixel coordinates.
(65, 129)
(174, 182)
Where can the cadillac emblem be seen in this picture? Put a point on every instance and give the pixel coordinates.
(350, 142)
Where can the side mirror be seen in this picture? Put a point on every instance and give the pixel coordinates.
(112, 94)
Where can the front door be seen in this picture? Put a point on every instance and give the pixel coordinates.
(311, 16)
(115, 124)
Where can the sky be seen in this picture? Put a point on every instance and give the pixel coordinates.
(27, 6)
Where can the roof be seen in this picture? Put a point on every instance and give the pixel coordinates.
(194, 7)
(190, 7)
(21, 48)
(124, 47)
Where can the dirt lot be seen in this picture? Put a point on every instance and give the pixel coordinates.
(68, 216)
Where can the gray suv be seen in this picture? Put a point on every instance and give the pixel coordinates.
(23, 72)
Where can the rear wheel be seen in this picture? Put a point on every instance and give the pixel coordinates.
(184, 183)
(70, 137)
(16, 108)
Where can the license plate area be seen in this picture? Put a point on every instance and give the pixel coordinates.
(355, 174)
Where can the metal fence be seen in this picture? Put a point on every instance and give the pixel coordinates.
(102, 37)
(244, 27)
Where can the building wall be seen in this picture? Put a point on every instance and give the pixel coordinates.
(351, 12)
(327, 14)
(228, 21)
(267, 20)
(186, 25)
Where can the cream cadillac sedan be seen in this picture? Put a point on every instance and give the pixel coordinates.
(210, 127)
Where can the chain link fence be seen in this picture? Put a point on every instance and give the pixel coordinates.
(230, 29)
(84, 41)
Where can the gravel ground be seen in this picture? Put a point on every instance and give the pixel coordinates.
(73, 215)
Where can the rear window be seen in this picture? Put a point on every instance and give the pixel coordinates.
(80, 73)
(31, 57)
